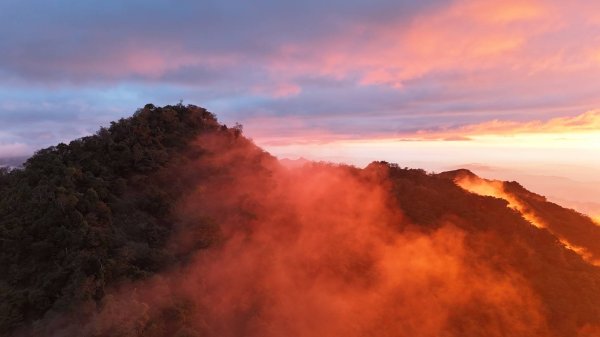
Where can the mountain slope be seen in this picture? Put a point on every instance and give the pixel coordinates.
(168, 223)
(82, 216)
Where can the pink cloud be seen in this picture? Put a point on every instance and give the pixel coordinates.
(465, 36)
(13, 150)
(278, 90)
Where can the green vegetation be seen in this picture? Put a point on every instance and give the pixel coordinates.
(82, 216)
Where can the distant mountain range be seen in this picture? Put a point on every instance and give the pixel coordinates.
(168, 223)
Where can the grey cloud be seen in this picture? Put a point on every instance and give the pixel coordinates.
(75, 41)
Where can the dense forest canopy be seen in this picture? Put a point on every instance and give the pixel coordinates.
(168, 223)
(87, 214)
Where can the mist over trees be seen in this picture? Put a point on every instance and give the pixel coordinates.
(84, 215)
(168, 223)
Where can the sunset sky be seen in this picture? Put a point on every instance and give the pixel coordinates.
(504, 87)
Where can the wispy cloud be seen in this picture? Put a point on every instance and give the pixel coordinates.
(13, 150)
(585, 123)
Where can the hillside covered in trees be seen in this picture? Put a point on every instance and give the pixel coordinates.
(168, 223)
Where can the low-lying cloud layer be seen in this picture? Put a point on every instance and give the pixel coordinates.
(318, 250)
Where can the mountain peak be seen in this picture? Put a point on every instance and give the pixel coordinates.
(458, 173)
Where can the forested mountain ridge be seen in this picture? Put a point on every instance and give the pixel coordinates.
(170, 224)
(84, 215)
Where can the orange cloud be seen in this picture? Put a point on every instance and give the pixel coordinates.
(583, 127)
(588, 122)
(464, 36)
(507, 11)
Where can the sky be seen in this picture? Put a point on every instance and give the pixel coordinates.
(502, 86)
